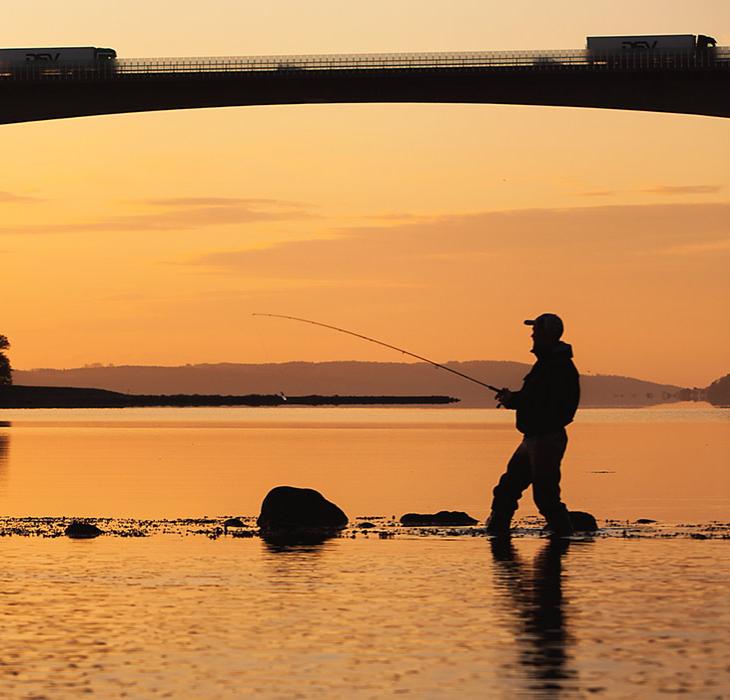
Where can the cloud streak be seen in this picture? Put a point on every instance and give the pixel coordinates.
(222, 202)
(181, 215)
(480, 243)
(10, 198)
(669, 190)
(717, 246)
(683, 189)
(598, 193)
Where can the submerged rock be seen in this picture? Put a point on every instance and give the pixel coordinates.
(442, 518)
(78, 530)
(291, 508)
(232, 522)
(582, 522)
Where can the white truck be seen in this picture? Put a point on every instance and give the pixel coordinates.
(56, 60)
(658, 42)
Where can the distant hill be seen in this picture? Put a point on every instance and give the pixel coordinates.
(344, 378)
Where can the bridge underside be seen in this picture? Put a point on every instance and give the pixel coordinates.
(702, 92)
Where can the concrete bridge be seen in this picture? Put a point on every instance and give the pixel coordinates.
(693, 82)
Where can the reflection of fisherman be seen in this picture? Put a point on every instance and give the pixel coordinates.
(535, 601)
(545, 405)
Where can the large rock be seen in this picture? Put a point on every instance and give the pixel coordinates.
(582, 522)
(290, 508)
(454, 518)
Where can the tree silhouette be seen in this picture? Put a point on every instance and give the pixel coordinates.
(6, 377)
(718, 392)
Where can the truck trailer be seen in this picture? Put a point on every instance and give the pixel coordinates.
(657, 42)
(55, 60)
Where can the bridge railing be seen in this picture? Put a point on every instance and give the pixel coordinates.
(347, 62)
(570, 60)
(550, 60)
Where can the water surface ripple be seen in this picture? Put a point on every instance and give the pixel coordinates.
(433, 618)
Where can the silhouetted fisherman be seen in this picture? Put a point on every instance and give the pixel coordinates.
(545, 404)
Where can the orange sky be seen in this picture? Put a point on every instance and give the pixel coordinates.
(152, 238)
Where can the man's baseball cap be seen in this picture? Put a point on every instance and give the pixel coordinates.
(551, 324)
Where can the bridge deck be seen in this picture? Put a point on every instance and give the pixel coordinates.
(687, 82)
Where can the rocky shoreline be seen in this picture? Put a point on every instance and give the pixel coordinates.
(303, 516)
(367, 527)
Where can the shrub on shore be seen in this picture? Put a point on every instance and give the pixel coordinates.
(6, 376)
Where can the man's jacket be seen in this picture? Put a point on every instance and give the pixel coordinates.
(550, 394)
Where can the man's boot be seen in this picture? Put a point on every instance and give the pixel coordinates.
(498, 523)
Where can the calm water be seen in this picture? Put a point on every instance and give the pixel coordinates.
(669, 464)
(434, 618)
(438, 617)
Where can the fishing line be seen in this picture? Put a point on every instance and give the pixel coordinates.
(386, 345)
(267, 356)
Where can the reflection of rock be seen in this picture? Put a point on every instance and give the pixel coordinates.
(243, 534)
(290, 508)
(443, 517)
(4, 442)
(80, 531)
(583, 522)
(282, 540)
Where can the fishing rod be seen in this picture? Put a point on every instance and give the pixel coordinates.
(386, 345)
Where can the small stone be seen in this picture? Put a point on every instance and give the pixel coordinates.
(79, 530)
(582, 522)
(645, 521)
(232, 522)
(442, 518)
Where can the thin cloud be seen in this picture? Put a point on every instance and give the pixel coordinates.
(683, 189)
(717, 246)
(395, 217)
(474, 243)
(668, 190)
(598, 193)
(175, 219)
(10, 198)
(221, 202)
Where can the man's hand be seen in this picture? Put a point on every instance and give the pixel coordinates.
(504, 398)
